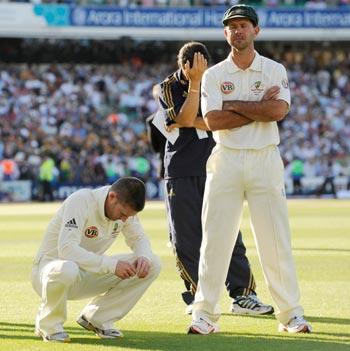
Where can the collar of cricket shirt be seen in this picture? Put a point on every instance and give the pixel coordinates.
(255, 66)
(100, 195)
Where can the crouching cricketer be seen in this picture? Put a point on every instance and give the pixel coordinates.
(71, 263)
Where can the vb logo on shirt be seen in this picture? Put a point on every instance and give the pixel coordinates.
(227, 87)
(91, 232)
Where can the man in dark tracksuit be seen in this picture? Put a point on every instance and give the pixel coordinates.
(185, 174)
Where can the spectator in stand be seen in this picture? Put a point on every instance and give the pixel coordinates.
(65, 170)
(313, 4)
(297, 166)
(10, 169)
(316, 4)
(328, 181)
(46, 178)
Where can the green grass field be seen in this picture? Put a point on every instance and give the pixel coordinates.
(321, 242)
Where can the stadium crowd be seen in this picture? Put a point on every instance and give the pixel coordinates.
(315, 137)
(312, 4)
(88, 119)
(85, 123)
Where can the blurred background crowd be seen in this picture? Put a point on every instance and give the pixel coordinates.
(315, 4)
(84, 122)
(88, 120)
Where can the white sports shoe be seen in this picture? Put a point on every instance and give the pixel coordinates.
(104, 334)
(296, 325)
(250, 304)
(57, 337)
(202, 327)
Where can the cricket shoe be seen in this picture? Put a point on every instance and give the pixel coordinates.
(57, 337)
(202, 327)
(250, 304)
(104, 334)
(296, 325)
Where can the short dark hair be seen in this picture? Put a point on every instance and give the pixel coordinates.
(131, 191)
(187, 52)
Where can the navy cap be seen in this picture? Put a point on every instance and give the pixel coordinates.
(241, 11)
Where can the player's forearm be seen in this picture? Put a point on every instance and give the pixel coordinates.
(85, 259)
(219, 120)
(200, 124)
(189, 109)
(261, 111)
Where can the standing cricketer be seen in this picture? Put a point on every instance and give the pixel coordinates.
(243, 97)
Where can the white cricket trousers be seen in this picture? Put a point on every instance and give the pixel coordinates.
(234, 175)
(60, 280)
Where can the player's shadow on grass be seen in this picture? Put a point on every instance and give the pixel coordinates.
(320, 249)
(269, 316)
(165, 341)
(16, 326)
(330, 320)
(323, 249)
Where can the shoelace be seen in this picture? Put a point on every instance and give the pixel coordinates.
(254, 298)
(248, 302)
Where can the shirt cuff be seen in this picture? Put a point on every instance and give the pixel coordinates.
(110, 263)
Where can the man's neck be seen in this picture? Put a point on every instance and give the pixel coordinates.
(243, 59)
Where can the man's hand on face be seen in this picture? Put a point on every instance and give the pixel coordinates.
(199, 65)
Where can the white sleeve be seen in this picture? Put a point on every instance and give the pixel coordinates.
(136, 238)
(74, 218)
(279, 77)
(211, 97)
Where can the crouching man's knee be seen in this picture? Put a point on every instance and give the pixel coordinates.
(65, 272)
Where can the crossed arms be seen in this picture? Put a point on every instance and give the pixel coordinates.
(239, 113)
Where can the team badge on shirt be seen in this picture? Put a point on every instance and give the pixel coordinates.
(227, 87)
(285, 83)
(91, 232)
(257, 87)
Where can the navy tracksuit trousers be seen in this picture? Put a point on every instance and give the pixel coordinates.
(184, 197)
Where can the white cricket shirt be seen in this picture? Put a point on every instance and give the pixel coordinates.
(225, 82)
(81, 232)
